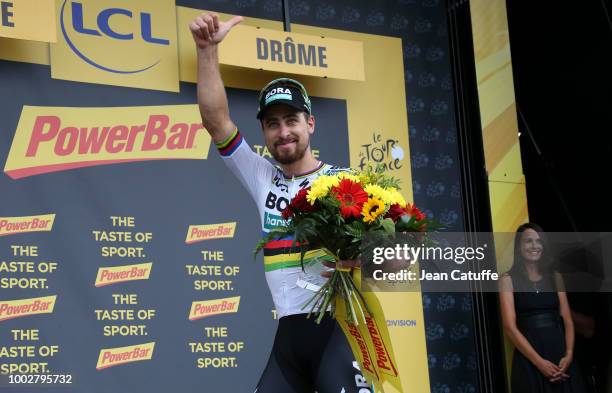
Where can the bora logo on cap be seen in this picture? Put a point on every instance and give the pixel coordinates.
(278, 93)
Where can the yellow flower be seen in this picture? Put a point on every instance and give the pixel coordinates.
(364, 178)
(394, 197)
(320, 187)
(376, 191)
(347, 175)
(316, 192)
(327, 180)
(373, 208)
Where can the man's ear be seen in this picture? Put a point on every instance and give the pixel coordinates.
(311, 124)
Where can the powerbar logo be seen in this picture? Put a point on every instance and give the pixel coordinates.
(116, 274)
(198, 233)
(383, 359)
(363, 348)
(207, 308)
(51, 139)
(121, 355)
(13, 225)
(10, 309)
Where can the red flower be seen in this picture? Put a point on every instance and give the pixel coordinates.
(406, 214)
(351, 197)
(414, 211)
(395, 212)
(298, 204)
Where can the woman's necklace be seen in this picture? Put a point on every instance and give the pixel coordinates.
(535, 286)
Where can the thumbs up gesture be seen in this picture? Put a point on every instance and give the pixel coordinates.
(208, 30)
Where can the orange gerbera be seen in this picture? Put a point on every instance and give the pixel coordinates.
(351, 197)
(414, 211)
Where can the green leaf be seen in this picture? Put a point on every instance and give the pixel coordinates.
(356, 229)
(388, 225)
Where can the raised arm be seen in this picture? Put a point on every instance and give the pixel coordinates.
(208, 31)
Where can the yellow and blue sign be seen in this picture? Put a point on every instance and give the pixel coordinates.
(302, 54)
(51, 139)
(117, 43)
(28, 20)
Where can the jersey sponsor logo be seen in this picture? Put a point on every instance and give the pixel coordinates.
(116, 274)
(198, 233)
(207, 308)
(121, 355)
(13, 225)
(272, 221)
(10, 309)
(283, 187)
(273, 201)
(277, 181)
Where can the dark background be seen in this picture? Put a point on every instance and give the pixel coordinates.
(563, 83)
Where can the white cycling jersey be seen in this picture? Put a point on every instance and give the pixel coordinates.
(272, 190)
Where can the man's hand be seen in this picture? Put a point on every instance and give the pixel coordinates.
(208, 30)
(391, 266)
(348, 263)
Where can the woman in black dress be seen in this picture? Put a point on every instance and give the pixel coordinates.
(537, 319)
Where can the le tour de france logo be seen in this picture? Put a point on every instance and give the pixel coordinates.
(115, 39)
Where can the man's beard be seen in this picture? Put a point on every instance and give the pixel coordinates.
(287, 158)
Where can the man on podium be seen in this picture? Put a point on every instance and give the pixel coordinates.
(306, 357)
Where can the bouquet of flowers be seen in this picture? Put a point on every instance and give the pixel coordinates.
(335, 214)
(344, 214)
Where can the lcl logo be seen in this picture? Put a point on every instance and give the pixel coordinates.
(102, 28)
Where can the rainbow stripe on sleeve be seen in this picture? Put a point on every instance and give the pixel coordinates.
(227, 146)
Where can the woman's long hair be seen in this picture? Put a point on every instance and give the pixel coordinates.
(545, 266)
